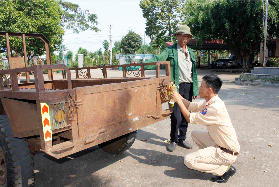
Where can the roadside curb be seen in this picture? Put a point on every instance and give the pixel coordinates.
(256, 82)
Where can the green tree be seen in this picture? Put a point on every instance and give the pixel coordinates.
(238, 23)
(81, 51)
(106, 54)
(36, 16)
(70, 55)
(117, 47)
(148, 49)
(106, 45)
(131, 43)
(40, 16)
(162, 19)
(94, 57)
(99, 58)
(76, 19)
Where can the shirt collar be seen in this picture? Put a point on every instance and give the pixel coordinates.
(179, 48)
(212, 100)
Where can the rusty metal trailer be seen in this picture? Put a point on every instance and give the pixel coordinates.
(68, 115)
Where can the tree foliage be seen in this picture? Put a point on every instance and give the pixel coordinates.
(70, 55)
(40, 16)
(117, 47)
(76, 19)
(162, 19)
(238, 23)
(148, 49)
(273, 19)
(106, 54)
(106, 45)
(81, 51)
(131, 43)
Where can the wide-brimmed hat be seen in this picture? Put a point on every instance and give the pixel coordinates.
(183, 29)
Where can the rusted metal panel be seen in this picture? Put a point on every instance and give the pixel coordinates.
(17, 62)
(109, 106)
(21, 94)
(54, 96)
(59, 84)
(47, 85)
(65, 149)
(23, 117)
(93, 82)
(108, 111)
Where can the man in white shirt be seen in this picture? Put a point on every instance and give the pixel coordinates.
(184, 76)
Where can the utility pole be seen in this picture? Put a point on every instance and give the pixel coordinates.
(110, 46)
(265, 32)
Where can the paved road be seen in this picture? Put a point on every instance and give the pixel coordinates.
(254, 112)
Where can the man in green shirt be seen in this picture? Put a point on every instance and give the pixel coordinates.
(184, 76)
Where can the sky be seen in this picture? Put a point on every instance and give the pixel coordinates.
(122, 15)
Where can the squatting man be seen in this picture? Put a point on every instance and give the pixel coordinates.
(219, 146)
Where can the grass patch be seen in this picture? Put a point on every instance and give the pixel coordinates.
(271, 78)
(248, 77)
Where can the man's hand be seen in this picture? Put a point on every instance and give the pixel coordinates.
(195, 97)
(183, 104)
(175, 96)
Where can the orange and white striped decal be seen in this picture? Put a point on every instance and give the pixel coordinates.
(46, 122)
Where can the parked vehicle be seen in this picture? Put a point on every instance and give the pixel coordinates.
(227, 63)
(213, 65)
(222, 63)
(62, 117)
(234, 63)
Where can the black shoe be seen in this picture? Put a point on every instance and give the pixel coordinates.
(185, 144)
(225, 177)
(171, 147)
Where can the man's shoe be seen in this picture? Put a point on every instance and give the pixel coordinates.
(225, 177)
(185, 144)
(171, 147)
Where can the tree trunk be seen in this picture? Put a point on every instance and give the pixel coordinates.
(246, 63)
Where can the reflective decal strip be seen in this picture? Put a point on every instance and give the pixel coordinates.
(46, 122)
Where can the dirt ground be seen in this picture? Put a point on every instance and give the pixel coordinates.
(254, 112)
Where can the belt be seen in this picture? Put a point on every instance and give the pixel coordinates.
(185, 83)
(229, 151)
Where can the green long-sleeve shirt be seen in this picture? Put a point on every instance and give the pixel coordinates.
(171, 54)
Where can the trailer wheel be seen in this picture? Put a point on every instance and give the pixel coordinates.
(120, 144)
(16, 164)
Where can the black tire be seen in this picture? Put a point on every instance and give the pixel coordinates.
(16, 159)
(120, 144)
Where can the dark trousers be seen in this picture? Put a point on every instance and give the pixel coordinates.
(178, 122)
